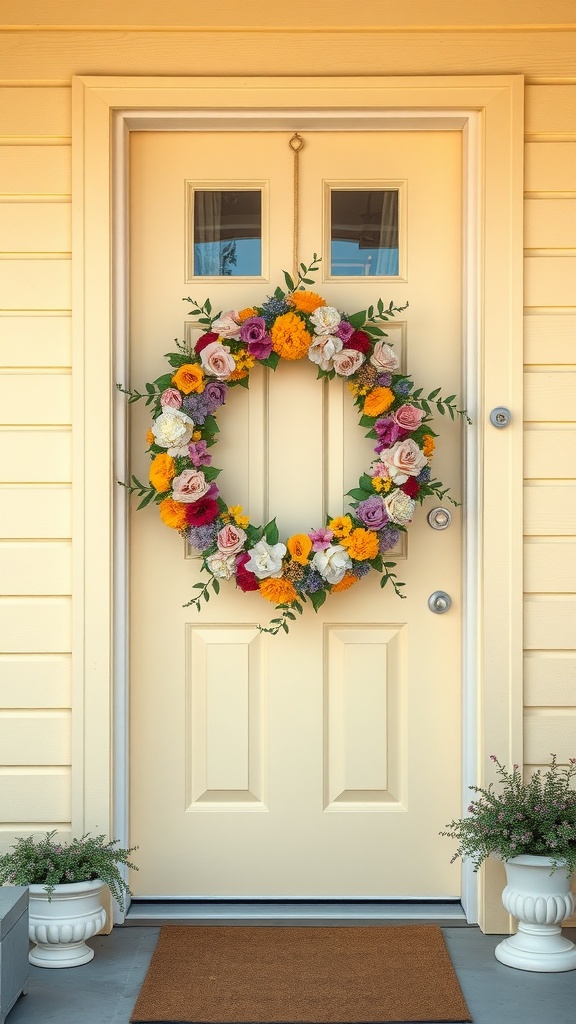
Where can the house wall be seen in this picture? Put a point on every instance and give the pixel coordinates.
(40, 49)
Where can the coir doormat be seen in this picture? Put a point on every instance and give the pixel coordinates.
(300, 974)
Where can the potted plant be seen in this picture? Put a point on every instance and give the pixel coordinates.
(66, 881)
(531, 826)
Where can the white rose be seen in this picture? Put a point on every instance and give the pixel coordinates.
(173, 430)
(222, 566)
(323, 349)
(400, 507)
(227, 325)
(217, 361)
(404, 459)
(347, 361)
(325, 319)
(266, 560)
(189, 486)
(332, 563)
(384, 358)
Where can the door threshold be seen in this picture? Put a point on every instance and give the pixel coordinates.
(287, 912)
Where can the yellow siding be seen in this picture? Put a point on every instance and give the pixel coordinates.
(35, 416)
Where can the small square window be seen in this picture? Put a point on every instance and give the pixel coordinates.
(364, 232)
(227, 233)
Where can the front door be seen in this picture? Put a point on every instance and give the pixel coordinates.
(322, 763)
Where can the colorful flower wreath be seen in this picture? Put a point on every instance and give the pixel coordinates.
(290, 325)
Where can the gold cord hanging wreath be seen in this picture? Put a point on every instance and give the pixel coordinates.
(291, 324)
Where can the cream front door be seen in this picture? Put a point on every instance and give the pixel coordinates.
(322, 763)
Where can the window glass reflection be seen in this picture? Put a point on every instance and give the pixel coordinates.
(227, 233)
(364, 232)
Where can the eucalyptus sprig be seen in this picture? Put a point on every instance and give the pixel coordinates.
(443, 405)
(144, 491)
(204, 593)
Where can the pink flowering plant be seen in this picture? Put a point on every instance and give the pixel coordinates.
(50, 863)
(536, 817)
(292, 324)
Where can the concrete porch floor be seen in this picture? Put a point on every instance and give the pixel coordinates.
(105, 990)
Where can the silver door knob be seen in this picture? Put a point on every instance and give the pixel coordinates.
(439, 602)
(439, 518)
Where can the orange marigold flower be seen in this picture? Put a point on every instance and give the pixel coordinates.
(188, 378)
(290, 339)
(341, 526)
(307, 302)
(299, 547)
(279, 591)
(378, 401)
(245, 314)
(238, 374)
(361, 544)
(150, 437)
(347, 581)
(162, 472)
(173, 513)
(428, 444)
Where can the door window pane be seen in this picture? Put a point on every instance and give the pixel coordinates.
(364, 233)
(227, 233)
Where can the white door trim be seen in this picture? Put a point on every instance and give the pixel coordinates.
(489, 112)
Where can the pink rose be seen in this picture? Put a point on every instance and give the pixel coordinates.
(408, 417)
(384, 358)
(227, 324)
(347, 361)
(189, 486)
(323, 349)
(230, 539)
(404, 459)
(217, 361)
(171, 397)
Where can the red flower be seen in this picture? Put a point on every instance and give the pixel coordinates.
(205, 339)
(205, 510)
(411, 487)
(360, 341)
(245, 579)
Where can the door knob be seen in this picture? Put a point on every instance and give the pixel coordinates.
(439, 518)
(439, 602)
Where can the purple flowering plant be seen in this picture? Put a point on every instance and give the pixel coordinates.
(533, 817)
(50, 863)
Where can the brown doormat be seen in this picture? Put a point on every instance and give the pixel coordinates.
(274, 974)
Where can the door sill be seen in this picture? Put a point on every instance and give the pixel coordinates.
(296, 912)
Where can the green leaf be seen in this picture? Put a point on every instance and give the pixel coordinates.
(367, 421)
(317, 599)
(145, 501)
(164, 381)
(272, 360)
(208, 306)
(271, 532)
(366, 482)
(289, 281)
(211, 425)
(278, 293)
(376, 331)
(433, 394)
(376, 563)
(211, 472)
(215, 586)
(441, 409)
(360, 495)
(358, 319)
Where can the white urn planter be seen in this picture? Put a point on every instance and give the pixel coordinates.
(540, 901)
(60, 924)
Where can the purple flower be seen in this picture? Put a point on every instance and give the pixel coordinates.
(321, 539)
(214, 395)
(372, 512)
(388, 539)
(202, 537)
(384, 380)
(197, 407)
(199, 455)
(313, 582)
(424, 475)
(360, 569)
(274, 307)
(253, 333)
(388, 433)
(345, 331)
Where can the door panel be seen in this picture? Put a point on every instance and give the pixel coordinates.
(322, 763)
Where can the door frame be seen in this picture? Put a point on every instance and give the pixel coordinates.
(488, 110)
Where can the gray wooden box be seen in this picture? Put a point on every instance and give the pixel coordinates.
(14, 966)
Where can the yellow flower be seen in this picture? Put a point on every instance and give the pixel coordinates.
(341, 526)
(173, 513)
(307, 302)
(381, 483)
(150, 437)
(162, 471)
(279, 591)
(378, 401)
(196, 436)
(361, 544)
(347, 581)
(188, 378)
(428, 444)
(299, 547)
(245, 314)
(236, 513)
(290, 339)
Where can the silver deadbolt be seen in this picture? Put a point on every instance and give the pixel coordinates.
(439, 602)
(500, 417)
(439, 518)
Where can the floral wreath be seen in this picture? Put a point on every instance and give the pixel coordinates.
(291, 324)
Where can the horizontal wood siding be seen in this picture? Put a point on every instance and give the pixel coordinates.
(35, 462)
(550, 424)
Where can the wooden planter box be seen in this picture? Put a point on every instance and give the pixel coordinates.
(14, 967)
